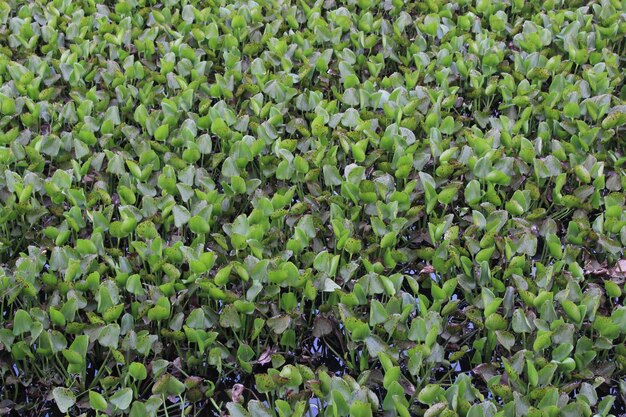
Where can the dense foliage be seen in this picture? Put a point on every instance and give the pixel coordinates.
(339, 208)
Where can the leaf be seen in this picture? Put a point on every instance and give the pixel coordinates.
(122, 398)
(279, 324)
(86, 247)
(230, 318)
(321, 326)
(236, 410)
(533, 377)
(22, 323)
(138, 371)
(506, 339)
(430, 393)
(199, 225)
(498, 177)
(528, 244)
(520, 323)
(264, 383)
(378, 314)
(350, 118)
(473, 193)
(97, 401)
(376, 346)
(162, 132)
(331, 176)
(571, 310)
(64, 397)
(181, 215)
(109, 336)
(360, 409)
(258, 409)
(222, 276)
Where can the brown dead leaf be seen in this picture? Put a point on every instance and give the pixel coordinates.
(236, 394)
(6, 406)
(409, 388)
(593, 267)
(177, 366)
(486, 371)
(322, 326)
(265, 357)
(617, 273)
(619, 270)
(428, 269)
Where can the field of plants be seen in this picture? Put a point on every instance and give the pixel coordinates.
(307, 208)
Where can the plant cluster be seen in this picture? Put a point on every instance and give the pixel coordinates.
(313, 208)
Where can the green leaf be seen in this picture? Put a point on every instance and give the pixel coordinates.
(22, 322)
(238, 184)
(8, 106)
(331, 176)
(447, 195)
(612, 289)
(199, 225)
(279, 324)
(495, 322)
(498, 177)
(473, 193)
(237, 410)
(264, 383)
(138, 371)
(86, 247)
(506, 339)
(533, 377)
(181, 215)
(122, 398)
(230, 317)
(360, 409)
(571, 110)
(378, 315)
(223, 275)
(571, 310)
(430, 393)
(109, 336)
(64, 397)
(389, 240)
(162, 132)
(97, 401)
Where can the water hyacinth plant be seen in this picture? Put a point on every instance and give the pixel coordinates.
(328, 208)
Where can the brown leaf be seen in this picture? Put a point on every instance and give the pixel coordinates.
(236, 394)
(6, 406)
(265, 357)
(409, 388)
(177, 367)
(322, 326)
(619, 270)
(486, 371)
(593, 267)
(428, 269)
